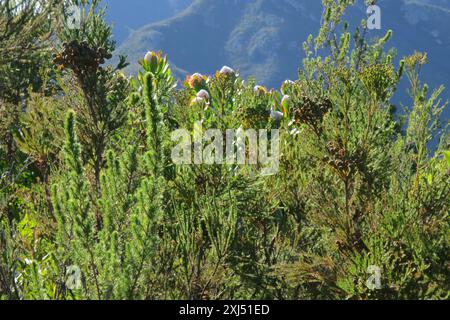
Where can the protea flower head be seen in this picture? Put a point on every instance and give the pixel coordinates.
(197, 76)
(152, 58)
(276, 115)
(227, 71)
(259, 90)
(203, 94)
(196, 81)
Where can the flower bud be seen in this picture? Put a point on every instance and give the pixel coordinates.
(227, 71)
(152, 58)
(203, 94)
(259, 90)
(197, 81)
(276, 115)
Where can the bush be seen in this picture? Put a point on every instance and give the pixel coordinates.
(361, 192)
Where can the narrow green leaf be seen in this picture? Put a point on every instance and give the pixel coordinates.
(447, 157)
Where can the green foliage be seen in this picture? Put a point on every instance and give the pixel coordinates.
(447, 157)
(358, 188)
(103, 89)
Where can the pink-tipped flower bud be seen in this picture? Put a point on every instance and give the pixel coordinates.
(203, 94)
(227, 71)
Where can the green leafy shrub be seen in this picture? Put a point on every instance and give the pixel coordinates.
(98, 209)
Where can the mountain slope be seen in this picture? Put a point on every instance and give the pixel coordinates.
(261, 38)
(127, 16)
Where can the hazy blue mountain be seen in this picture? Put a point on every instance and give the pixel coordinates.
(260, 38)
(130, 15)
(263, 38)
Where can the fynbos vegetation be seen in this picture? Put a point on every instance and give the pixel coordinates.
(92, 205)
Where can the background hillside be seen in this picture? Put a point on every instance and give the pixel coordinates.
(130, 15)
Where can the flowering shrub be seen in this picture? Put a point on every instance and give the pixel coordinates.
(358, 188)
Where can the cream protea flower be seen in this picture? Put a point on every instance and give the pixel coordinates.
(276, 115)
(203, 94)
(153, 59)
(259, 90)
(201, 98)
(197, 76)
(227, 71)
